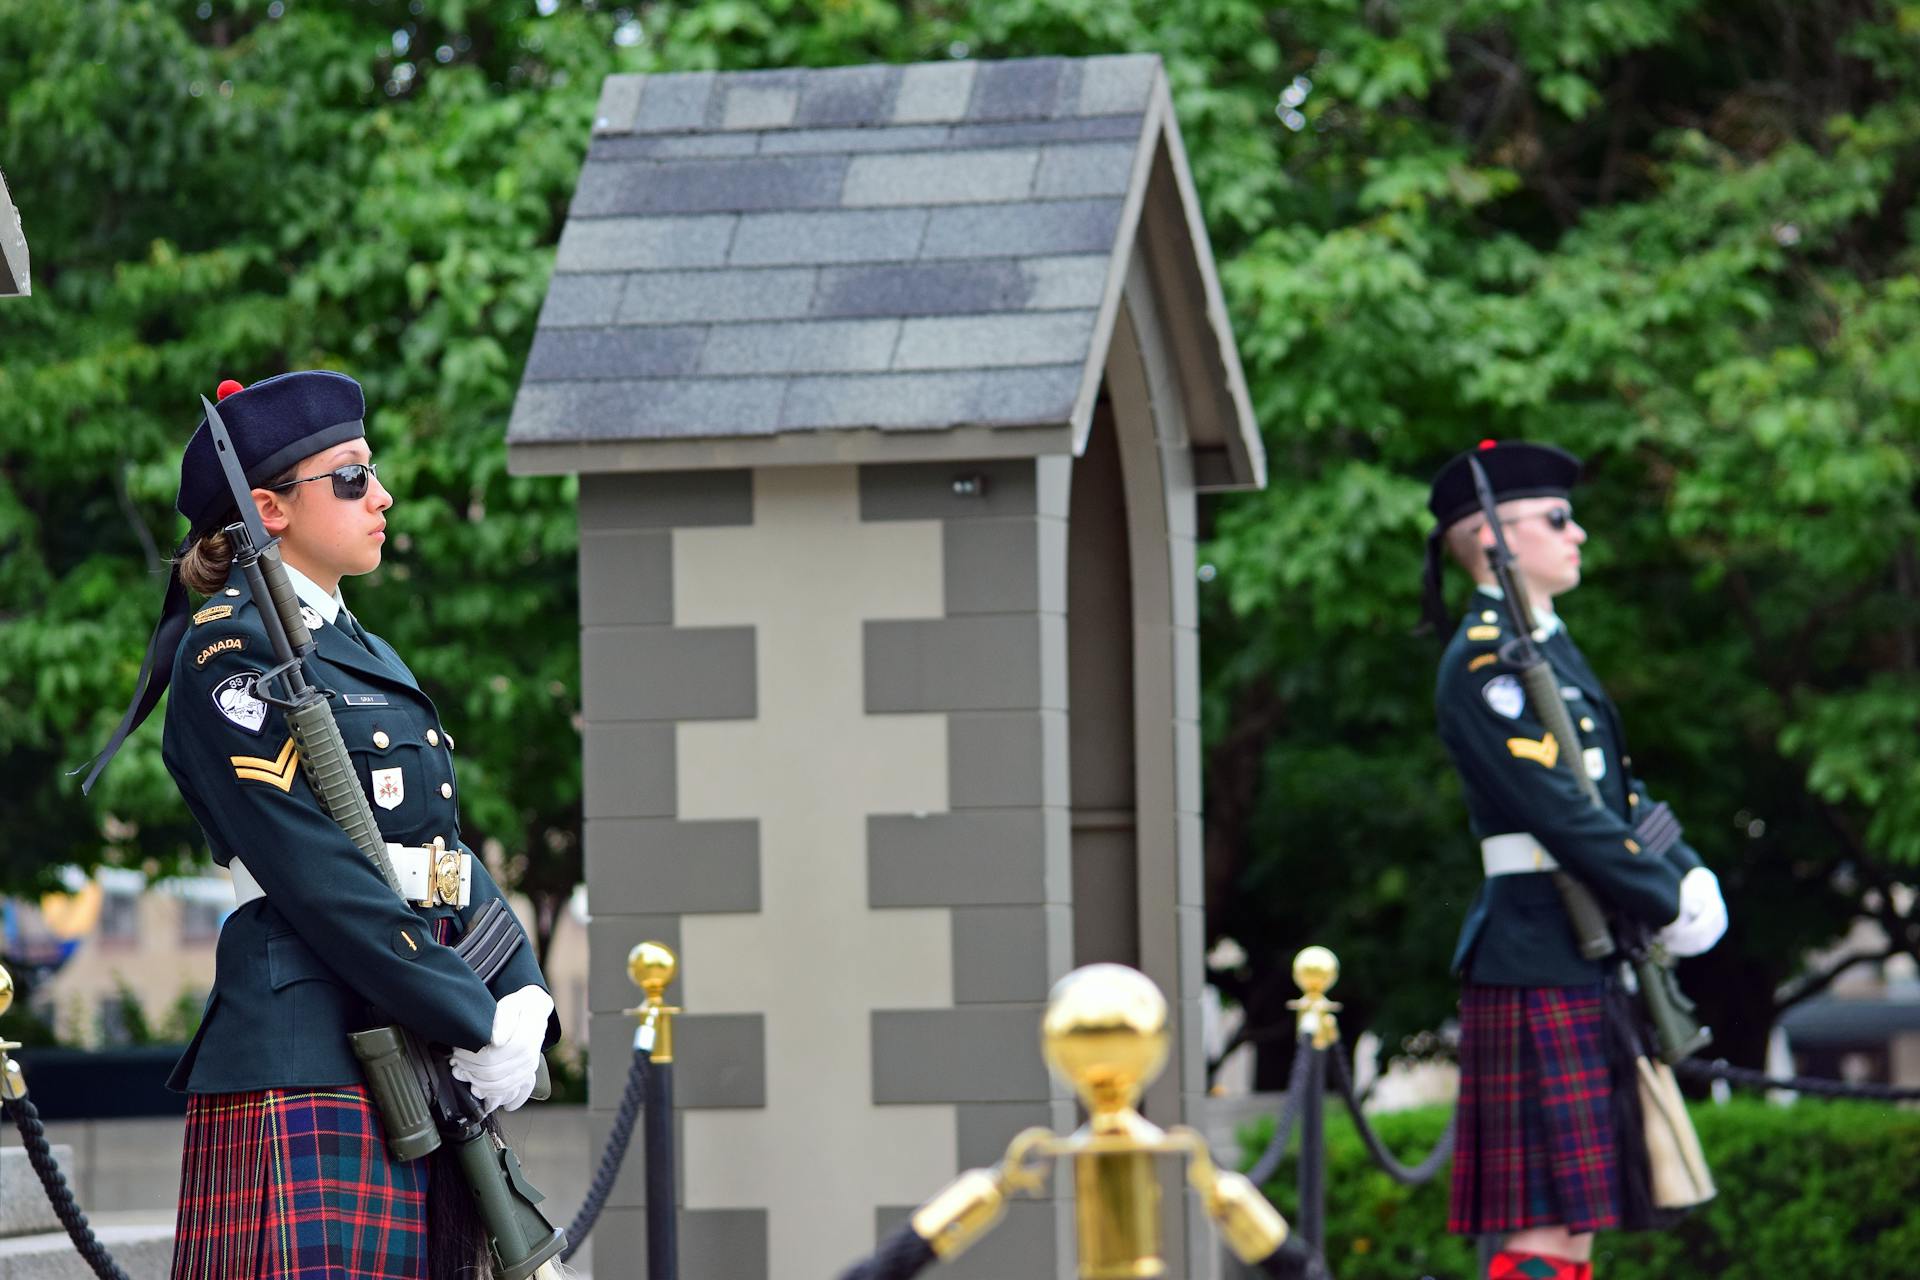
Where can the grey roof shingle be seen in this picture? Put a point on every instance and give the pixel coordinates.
(916, 247)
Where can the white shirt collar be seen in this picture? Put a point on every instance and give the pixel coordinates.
(327, 606)
(1546, 621)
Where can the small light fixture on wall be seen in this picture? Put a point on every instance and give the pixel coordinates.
(970, 486)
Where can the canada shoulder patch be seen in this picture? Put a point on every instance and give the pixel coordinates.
(225, 644)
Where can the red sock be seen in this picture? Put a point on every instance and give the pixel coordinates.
(1514, 1264)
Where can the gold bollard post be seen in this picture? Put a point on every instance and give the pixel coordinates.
(652, 966)
(1105, 1033)
(13, 1081)
(1315, 970)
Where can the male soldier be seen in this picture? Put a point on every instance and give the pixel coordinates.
(1536, 1162)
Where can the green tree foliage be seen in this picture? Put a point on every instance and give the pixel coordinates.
(236, 189)
(1672, 235)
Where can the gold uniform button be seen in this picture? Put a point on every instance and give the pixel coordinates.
(380, 739)
(1586, 723)
(433, 738)
(446, 791)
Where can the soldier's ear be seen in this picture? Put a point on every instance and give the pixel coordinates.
(273, 510)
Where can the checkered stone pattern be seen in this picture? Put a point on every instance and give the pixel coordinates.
(650, 867)
(895, 247)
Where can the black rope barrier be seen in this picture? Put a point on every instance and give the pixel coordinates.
(1721, 1069)
(900, 1256)
(609, 1171)
(1405, 1175)
(26, 1117)
(1269, 1160)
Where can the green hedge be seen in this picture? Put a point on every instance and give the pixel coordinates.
(1816, 1190)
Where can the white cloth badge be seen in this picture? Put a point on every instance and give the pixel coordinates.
(233, 698)
(312, 615)
(1596, 762)
(1505, 696)
(389, 788)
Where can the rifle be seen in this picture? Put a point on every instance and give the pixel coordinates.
(1645, 968)
(420, 1101)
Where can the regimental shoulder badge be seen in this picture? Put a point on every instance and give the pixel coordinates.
(213, 613)
(1505, 696)
(1483, 633)
(233, 698)
(226, 644)
(1545, 752)
(389, 787)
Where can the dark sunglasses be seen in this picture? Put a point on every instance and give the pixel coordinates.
(349, 482)
(1557, 518)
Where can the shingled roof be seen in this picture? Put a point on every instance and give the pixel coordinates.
(787, 265)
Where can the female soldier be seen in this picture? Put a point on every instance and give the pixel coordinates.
(1538, 1162)
(285, 1172)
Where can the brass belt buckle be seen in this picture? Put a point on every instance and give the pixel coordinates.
(446, 873)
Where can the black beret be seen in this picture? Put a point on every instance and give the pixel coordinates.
(274, 424)
(1514, 468)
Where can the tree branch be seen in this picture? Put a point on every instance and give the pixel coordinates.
(1806, 988)
(140, 531)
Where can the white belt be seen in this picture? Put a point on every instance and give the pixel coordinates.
(1515, 854)
(429, 876)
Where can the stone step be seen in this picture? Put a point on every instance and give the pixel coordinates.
(142, 1247)
(24, 1210)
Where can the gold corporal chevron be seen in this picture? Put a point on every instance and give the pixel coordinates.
(277, 772)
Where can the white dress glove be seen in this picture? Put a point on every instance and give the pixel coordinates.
(502, 1073)
(1703, 915)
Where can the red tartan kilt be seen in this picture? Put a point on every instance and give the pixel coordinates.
(1534, 1144)
(296, 1184)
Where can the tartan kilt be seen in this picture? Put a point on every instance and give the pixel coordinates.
(1535, 1142)
(296, 1184)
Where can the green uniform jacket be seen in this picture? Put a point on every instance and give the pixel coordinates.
(1516, 932)
(330, 948)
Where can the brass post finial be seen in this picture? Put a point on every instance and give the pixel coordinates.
(1315, 969)
(13, 1081)
(1105, 1033)
(651, 966)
